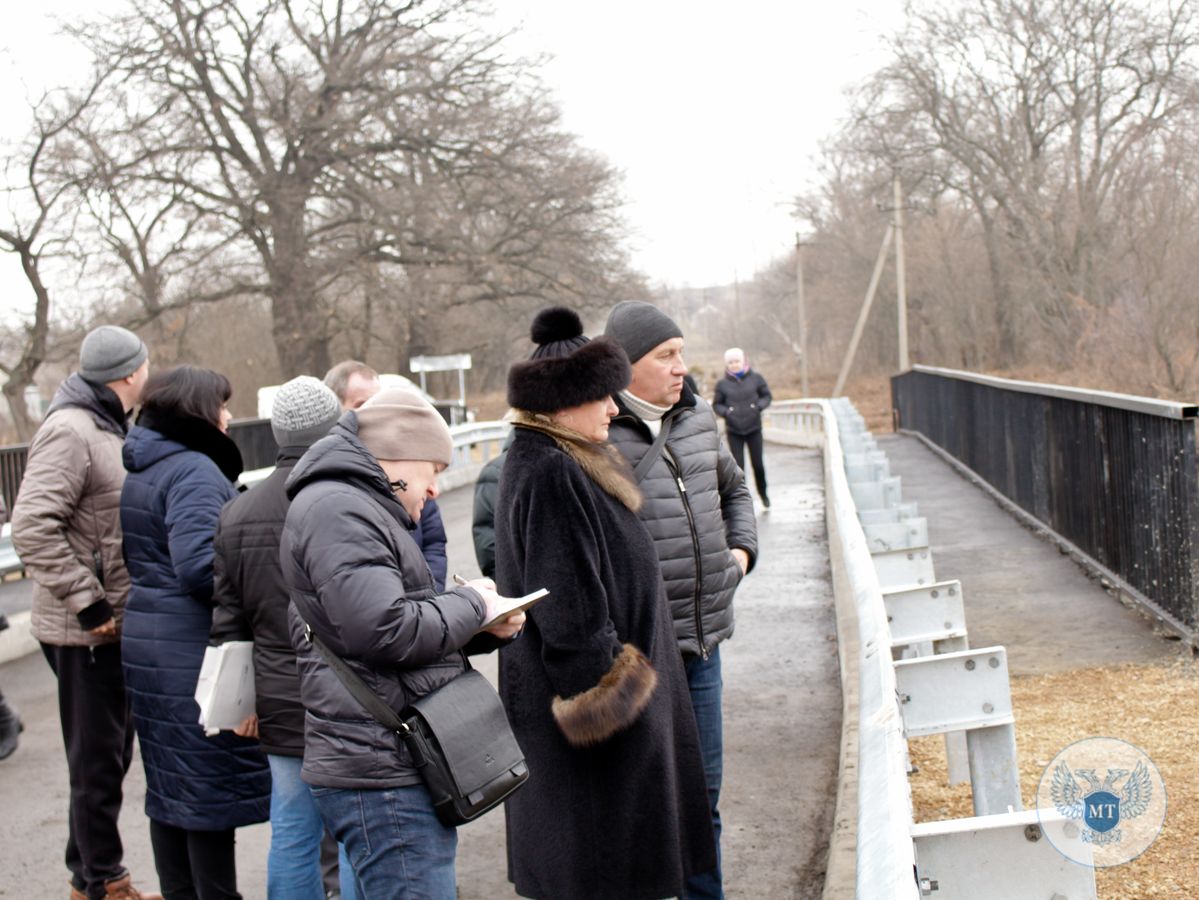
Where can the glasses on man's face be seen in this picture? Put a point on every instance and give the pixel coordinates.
(399, 485)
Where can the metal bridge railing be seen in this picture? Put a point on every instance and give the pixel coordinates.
(906, 671)
(875, 790)
(1113, 477)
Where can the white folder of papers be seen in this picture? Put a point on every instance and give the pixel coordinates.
(225, 689)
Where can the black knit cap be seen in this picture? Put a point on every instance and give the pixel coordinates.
(566, 369)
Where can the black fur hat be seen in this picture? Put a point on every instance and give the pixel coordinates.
(566, 369)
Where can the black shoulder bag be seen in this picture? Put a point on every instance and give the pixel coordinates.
(458, 735)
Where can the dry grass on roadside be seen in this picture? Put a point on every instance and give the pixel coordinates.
(1155, 707)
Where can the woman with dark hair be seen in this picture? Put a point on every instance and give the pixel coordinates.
(616, 805)
(182, 465)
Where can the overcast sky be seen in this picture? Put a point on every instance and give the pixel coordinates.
(713, 111)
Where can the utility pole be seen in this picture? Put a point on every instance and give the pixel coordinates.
(864, 313)
(901, 291)
(803, 317)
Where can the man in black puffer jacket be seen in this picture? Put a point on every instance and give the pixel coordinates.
(251, 605)
(740, 398)
(698, 511)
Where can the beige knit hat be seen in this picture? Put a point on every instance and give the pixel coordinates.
(400, 424)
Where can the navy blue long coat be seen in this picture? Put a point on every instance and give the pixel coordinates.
(170, 504)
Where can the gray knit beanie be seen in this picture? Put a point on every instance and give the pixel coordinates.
(640, 327)
(110, 353)
(303, 412)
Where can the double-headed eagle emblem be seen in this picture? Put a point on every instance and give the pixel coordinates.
(1097, 804)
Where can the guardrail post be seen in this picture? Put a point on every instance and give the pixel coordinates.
(906, 535)
(998, 857)
(967, 691)
(925, 621)
(904, 568)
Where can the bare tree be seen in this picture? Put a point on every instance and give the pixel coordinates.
(41, 228)
(1155, 309)
(1031, 111)
(316, 138)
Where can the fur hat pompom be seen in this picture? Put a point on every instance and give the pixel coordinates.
(556, 323)
(557, 332)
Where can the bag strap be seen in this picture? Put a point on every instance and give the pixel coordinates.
(370, 701)
(654, 451)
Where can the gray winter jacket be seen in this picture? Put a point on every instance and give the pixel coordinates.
(66, 523)
(358, 578)
(695, 524)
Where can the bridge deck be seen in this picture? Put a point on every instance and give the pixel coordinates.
(782, 703)
(782, 727)
(1019, 590)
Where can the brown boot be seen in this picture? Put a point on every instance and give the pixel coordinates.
(122, 889)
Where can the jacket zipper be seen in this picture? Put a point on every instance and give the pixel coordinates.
(699, 577)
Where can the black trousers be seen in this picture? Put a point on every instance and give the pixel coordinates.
(194, 865)
(97, 731)
(737, 445)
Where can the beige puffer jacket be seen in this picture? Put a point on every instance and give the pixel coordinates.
(66, 522)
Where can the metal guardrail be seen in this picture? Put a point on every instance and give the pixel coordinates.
(878, 815)
(802, 418)
(1114, 477)
(12, 470)
(474, 444)
(922, 680)
(252, 436)
(9, 561)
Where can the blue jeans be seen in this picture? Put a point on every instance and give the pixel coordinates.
(703, 678)
(293, 864)
(394, 840)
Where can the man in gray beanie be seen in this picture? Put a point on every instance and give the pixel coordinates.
(110, 353)
(251, 605)
(66, 527)
(699, 511)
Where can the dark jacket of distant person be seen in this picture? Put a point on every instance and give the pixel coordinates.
(487, 486)
(740, 401)
(252, 602)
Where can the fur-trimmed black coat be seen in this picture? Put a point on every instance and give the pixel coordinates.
(615, 805)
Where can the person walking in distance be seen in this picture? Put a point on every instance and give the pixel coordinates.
(699, 512)
(251, 605)
(741, 396)
(66, 528)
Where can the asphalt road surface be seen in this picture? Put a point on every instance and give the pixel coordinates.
(782, 729)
